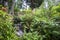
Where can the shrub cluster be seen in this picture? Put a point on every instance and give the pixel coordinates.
(6, 28)
(45, 22)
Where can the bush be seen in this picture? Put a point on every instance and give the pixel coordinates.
(6, 28)
(31, 36)
(45, 21)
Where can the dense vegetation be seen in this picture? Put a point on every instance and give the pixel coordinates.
(6, 28)
(37, 24)
(43, 24)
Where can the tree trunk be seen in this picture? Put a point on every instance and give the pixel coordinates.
(12, 7)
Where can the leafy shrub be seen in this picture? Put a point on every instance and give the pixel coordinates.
(6, 28)
(31, 36)
(45, 21)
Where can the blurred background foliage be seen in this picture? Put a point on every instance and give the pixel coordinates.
(42, 23)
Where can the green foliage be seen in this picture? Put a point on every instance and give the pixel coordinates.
(16, 9)
(45, 21)
(31, 36)
(6, 28)
(0, 6)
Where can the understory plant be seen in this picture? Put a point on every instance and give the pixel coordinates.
(45, 21)
(7, 31)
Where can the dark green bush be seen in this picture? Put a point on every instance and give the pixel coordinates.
(45, 21)
(32, 36)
